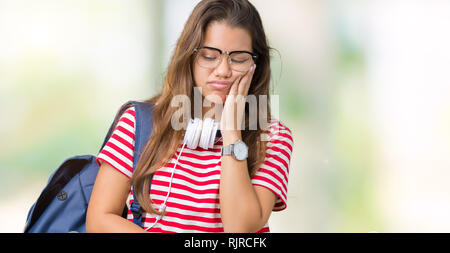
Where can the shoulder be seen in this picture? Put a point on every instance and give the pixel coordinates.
(118, 152)
(276, 125)
(128, 117)
(278, 132)
(130, 112)
(273, 173)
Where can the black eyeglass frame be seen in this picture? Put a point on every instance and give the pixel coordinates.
(254, 56)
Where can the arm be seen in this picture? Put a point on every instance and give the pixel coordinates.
(244, 208)
(104, 214)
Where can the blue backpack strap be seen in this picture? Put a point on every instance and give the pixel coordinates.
(143, 132)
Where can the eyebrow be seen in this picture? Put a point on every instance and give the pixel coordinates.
(236, 51)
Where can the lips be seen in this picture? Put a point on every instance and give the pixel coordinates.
(220, 85)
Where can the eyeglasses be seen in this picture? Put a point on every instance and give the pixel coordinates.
(209, 57)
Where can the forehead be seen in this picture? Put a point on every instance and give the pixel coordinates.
(227, 38)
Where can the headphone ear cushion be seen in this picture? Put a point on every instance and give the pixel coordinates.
(188, 131)
(213, 134)
(194, 136)
(201, 133)
(207, 128)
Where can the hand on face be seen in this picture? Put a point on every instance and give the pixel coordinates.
(233, 110)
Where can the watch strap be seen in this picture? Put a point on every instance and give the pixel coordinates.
(227, 150)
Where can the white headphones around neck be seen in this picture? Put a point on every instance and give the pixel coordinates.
(198, 133)
(201, 133)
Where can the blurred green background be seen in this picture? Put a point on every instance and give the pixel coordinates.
(363, 85)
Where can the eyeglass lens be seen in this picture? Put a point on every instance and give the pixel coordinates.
(209, 58)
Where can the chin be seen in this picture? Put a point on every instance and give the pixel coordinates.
(216, 97)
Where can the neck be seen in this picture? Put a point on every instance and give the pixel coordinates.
(209, 112)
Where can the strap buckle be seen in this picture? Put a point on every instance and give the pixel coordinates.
(136, 209)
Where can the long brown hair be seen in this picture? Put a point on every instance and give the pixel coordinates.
(179, 81)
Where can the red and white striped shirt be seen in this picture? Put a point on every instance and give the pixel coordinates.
(193, 204)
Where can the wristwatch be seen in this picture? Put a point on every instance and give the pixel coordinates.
(239, 150)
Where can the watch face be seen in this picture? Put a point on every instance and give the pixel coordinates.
(240, 150)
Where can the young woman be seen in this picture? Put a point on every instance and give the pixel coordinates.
(223, 51)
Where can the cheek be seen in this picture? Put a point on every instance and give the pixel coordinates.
(200, 76)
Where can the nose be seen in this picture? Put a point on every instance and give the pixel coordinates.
(224, 68)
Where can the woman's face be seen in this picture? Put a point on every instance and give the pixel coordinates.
(222, 36)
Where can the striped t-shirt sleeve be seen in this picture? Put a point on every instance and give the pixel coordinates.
(118, 151)
(273, 173)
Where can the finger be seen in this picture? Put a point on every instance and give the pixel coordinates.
(246, 80)
(234, 86)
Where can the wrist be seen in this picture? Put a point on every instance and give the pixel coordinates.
(231, 137)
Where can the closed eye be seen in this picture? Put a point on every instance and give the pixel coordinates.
(209, 58)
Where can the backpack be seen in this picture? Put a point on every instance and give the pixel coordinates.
(62, 205)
